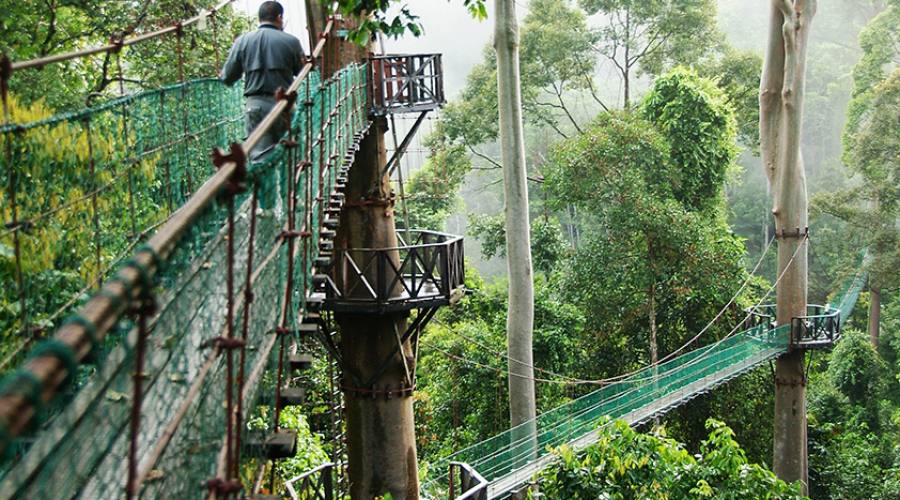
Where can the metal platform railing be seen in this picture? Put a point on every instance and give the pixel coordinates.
(820, 328)
(406, 83)
(425, 270)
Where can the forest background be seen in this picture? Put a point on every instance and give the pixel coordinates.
(649, 209)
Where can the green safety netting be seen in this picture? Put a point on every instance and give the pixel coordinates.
(91, 185)
(514, 456)
(80, 447)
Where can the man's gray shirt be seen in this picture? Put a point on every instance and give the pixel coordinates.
(269, 57)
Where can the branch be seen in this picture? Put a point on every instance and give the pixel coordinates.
(562, 105)
(51, 30)
(590, 82)
(483, 156)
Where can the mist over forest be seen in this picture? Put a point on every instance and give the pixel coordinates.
(643, 249)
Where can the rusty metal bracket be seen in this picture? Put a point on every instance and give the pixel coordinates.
(372, 202)
(283, 95)
(403, 391)
(792, 233)
(288, 234)
(223, 343)
(791, 381)
(117, 44)
(221, 486)
(238, 181)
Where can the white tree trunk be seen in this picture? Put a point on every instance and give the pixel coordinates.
(781, 106)
(518, 249)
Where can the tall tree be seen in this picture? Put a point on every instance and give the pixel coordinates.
(780, 118)
(651, 35)
(520, 318)
(650, 188)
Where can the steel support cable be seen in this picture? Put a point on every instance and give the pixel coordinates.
(707, 350)
(578, 381)
(101, 311)
(117, 45)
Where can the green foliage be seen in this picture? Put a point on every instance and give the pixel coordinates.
(692, 114)
(871, 144)
(431, 192)
(854, 420)
(736, 73)
(623, 463)
(547, 245)
(462, 402)
(37, 29)
(383, 16)
(654, 35)
(856, 370)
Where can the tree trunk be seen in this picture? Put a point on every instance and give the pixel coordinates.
(518, 250)
(874, 312)
(626, 73)
(781, 105)
(381, 443)
(874, 289)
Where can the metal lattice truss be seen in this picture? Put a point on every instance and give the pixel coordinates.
(425, 270)
(406, 83)
(314, 484)
(819, 329)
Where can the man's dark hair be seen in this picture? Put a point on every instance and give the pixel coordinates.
(269, 12)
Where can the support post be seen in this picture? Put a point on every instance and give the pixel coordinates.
(381, 444)
(380, 430)
(781, 111)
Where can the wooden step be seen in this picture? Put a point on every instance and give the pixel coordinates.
(291, 396)
(301, 361)
(307, 329)
(281, 444)
(314, 301)
(323, 263)
(313, 318)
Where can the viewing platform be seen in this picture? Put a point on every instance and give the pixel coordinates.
(425, 270)
(406, 83)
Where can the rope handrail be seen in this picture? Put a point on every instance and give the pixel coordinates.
(115, 45)
(104, 309)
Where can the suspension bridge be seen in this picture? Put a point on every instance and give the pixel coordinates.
(200, 290)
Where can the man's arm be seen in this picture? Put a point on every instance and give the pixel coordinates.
(299, 57)
(233, 69)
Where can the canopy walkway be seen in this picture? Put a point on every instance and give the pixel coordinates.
(191, 292)
(511, 459)
(193, 287)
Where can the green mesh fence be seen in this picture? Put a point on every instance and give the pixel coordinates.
(845, 299)
(512, 457)
(80, 448)
(91, 185)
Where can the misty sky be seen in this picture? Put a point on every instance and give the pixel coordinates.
(448, 29)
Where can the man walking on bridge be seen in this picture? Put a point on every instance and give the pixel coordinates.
(268, 58)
